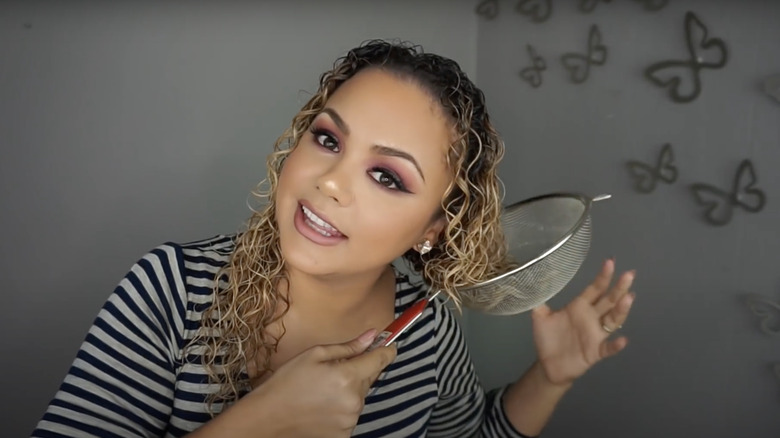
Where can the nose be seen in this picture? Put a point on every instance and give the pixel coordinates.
(335, 183)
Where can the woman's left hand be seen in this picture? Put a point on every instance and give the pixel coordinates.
(571, 340)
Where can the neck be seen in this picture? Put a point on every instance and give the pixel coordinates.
(336, 296)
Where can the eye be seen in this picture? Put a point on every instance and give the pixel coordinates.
(325, 139)
(387, 178)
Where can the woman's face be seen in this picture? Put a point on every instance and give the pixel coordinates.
(365, 183)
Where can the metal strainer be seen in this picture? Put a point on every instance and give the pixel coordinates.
(548, 239)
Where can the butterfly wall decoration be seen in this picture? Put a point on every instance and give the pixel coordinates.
(588, 6)
(767, 311)
(673, 74)
(487, 9)
(538, 11)
(719, 204)
(772, 86)
(533, 73)
(646, 176)
(579, 65)
(653, 5)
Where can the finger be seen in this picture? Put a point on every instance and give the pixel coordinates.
(369, 365)
(610, 299)
(613, 347)
(614, 319)
(324, 353)
(601, 282)
(541, 311)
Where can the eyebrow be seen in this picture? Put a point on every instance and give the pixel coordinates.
(382, 150)
(337, 119)
(392, 152)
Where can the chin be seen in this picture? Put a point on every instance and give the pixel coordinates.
(299, 256)
(304, 263)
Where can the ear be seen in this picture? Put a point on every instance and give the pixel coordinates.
(434, 230)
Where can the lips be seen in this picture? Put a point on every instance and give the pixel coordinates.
(316, 227)
(319, 224)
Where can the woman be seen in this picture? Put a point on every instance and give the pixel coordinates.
(393, 156)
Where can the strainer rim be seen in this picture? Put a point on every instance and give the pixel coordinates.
(586, 201)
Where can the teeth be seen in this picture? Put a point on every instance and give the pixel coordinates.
(319, 222)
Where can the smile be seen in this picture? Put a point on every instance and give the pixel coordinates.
(318, 224)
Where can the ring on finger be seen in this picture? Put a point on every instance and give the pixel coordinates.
(610, 330)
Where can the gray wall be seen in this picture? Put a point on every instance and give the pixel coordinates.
(127, 124)
(697, 364)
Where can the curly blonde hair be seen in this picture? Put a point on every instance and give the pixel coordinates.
(470, 249)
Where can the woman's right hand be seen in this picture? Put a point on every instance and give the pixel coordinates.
(319, 393)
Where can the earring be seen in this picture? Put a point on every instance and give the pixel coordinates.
(426, 247)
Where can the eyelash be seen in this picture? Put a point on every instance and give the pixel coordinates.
(317, 133)
(394, 178)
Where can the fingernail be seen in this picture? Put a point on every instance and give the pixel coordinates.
(367, 337)
(631, 298)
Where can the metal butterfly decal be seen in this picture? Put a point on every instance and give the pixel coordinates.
(538, 10)
(487, 9)
(772, 86)
(646, 177)
(533, 73)
(767, 311)
(578, 65)
(588, 6)
(653, 5)
(720, 204)
(671, 74)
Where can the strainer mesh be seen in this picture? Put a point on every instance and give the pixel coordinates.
(558, 226)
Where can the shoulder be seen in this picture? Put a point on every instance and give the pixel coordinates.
(410, 290)
(407, 290)
(448, 330)
(190, 258)
(220, 244)
(215, 250)
(174, 280)
(451, 349)
(175, 268)
(439, 318)
(200, 260)
(192, 276)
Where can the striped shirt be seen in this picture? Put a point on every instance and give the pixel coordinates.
(129, 378)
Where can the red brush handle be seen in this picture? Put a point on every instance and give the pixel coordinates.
(403, 322)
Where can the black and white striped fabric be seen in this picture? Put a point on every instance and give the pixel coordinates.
(129, 378)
